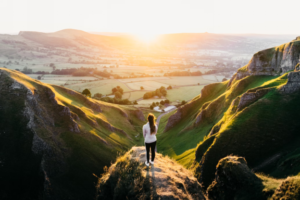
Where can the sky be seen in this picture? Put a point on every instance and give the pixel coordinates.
(152, 16)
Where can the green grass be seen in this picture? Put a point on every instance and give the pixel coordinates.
(184, 136)
(268, 119)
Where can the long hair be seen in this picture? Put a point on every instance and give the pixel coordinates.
(151, 120)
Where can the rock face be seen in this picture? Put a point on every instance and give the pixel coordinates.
(293, 83)
(164, 180)
(174, 119)
(250, 97)
(273, 61)
(233, 178)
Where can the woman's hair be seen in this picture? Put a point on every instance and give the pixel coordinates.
(151, 120)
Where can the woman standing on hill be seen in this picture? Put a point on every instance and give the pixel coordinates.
(149, 132)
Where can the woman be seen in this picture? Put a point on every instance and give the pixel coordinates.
(149, 132)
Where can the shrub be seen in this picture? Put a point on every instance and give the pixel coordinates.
(98, 95)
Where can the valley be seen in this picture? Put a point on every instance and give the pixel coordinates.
(72, 107)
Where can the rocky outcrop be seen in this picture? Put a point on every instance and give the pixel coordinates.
(293, 83)
(250, 97)
(273, 61)
(164, 180)
(174, 119)
(233, 177)
(209, 111)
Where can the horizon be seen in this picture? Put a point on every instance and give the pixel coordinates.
(132, 33)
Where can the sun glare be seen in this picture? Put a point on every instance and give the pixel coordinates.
(146, 37)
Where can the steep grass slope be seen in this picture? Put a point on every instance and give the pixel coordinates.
(52, 140)
(193, 122)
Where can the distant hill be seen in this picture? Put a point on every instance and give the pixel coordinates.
(71, 37)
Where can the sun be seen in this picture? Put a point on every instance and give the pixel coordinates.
(146, 37)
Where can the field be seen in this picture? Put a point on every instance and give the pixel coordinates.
(186, 80)
(184, 93)
(184, 88)
(102, 86)
(147, 85)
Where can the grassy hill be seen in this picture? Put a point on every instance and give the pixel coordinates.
(253, 116)
(53, 139)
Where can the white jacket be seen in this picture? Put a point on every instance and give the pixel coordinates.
(149, 138)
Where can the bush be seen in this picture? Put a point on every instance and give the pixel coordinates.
(183, 102)
(142, 87)
(151, 107)
(224, 79)
(98, 95)
(162, 102)
(135, 102)
(167, 101)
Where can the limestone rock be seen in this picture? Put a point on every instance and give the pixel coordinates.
(250, 97)
(293, 83)
(164, 180)
(233, 176)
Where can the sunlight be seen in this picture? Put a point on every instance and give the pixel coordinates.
(146, 37)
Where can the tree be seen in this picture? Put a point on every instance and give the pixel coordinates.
(142, 87)
(169, 87)
(162, 102)
(135, 102)
(118, 95)
(167, 101)
(151, 107)
(114, 90)
(183, 102)
(52, 65)
(224, 79)
(157, 103)
(117, 89)
(86, 92)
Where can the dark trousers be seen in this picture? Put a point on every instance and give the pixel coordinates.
(152, 146)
